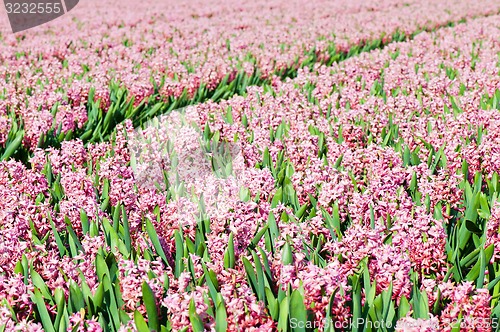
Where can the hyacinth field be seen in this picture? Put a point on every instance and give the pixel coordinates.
(260, 166)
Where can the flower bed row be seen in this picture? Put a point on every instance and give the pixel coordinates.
(363, 192)
(60, 80)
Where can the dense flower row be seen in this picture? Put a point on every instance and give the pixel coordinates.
(363, 189)
(169, 49)
(399, 130)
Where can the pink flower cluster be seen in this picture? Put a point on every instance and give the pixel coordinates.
(350, 143)
(48, 71)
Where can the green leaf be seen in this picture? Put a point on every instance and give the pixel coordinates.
(261, 294)
(74, 244)
(277, 198)
(194, 318)
(404, 307)
(220, 315)
(101, 267)
(286, 255)
(328, 319)
(272, 304)
(420, 305)
(252, 278)
(283, 316)
(126, 231)
(85, 221)
(298, 312)
(338, 162)
(153, 236)
(98, 296)
(111, 302)
(179, 253)
(13, 146)
(87, 293)
(259, 235)
(40, 284)
(211, 281)
(110, 234)
(42, 310)
(61, 307)
(150, 304)
(482, 269)
(140, 323)
(229, 258)
(75, 298)
(60, 245)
